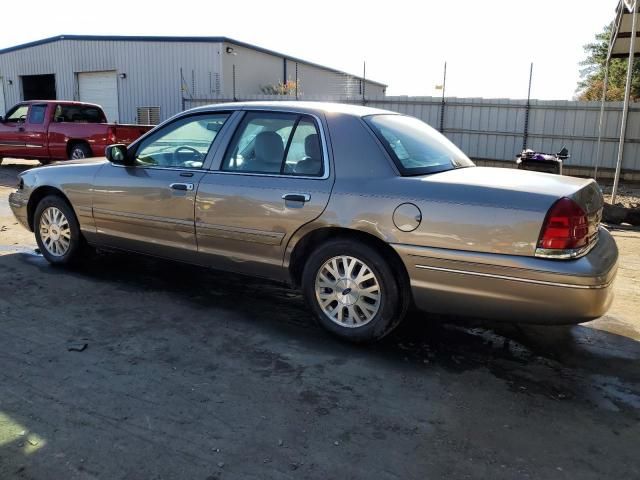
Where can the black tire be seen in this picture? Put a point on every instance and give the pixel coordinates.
(394, 300)
(76, 242)
(79, 151)
(1, 160)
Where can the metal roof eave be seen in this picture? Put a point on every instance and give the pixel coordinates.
(621, 30)
(135, 38)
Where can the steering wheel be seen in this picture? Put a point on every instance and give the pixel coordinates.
(176, 154)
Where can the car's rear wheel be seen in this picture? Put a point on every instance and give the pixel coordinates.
(57, 231)
(353, 291)
(79, 151)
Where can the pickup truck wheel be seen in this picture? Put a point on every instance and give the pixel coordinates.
(79, 151)
(57, 231)
(353, 291)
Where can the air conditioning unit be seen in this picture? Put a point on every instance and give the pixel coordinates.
(148, 115)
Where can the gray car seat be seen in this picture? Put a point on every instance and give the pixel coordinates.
(312, 165)
(269, 151)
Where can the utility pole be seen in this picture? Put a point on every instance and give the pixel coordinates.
(235, 99)
(364, 82)
(442, 104)
(625, 108)
(600, 120)
(526, 113)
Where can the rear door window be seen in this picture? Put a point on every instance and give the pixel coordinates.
(275, 143)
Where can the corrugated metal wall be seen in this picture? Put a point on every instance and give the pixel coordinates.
(493, 129)
(256, 70)
(152, 71)
(163, 73)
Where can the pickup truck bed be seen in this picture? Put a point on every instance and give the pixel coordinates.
(56, 130)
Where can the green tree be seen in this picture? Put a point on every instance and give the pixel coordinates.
(592, 73)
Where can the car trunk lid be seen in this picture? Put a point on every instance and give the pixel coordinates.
(497, 210)
(584, 192)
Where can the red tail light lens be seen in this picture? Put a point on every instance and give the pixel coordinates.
(565, 228)
(111, 136)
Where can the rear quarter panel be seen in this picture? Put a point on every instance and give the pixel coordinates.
(95, 134)
(127, 134)
(62, 133)
(368, 190)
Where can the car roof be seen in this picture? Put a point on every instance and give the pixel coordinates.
(306, 106)
(60, 102)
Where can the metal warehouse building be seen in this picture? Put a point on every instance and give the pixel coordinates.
(148, 79)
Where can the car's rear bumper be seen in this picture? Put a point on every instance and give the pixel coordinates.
(18, 203)
(511, 287)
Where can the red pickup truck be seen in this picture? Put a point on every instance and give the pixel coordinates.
(58, 130)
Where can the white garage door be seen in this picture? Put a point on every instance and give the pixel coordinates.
(100, 88)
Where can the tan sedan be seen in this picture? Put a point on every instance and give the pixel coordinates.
(366, 210)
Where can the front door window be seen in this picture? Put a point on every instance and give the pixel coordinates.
(18, 114)
(181, 144)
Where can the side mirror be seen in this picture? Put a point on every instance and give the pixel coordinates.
(117, 154)
(1, 119)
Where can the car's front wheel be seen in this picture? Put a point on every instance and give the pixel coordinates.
(353, 291)
(57, 231)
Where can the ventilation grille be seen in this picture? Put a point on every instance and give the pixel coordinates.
(148, 115)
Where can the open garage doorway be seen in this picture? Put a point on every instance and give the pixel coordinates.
(39, 87)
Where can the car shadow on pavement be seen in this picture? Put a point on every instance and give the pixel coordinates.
(508, 350)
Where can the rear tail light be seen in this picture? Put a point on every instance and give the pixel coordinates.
(567, 231)
(111, 136)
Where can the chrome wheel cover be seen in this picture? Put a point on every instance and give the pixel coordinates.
(55, 231)
(348, 291)
(77, 154)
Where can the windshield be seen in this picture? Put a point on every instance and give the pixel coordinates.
(415, 147)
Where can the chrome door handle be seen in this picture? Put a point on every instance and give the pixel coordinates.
(185, 187)
(296, 197)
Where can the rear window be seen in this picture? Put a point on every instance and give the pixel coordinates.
(415, 147)
(79, 113)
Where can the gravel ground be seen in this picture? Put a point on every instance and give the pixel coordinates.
(627, 195)
(195, 374)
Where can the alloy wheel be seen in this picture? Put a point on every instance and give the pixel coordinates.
(55, 231)
(77, 154)
(348, 291)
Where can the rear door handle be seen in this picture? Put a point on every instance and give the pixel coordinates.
(185, 187)
(296, 197)
(21, 129)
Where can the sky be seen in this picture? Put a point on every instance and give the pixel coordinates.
(488, 45)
